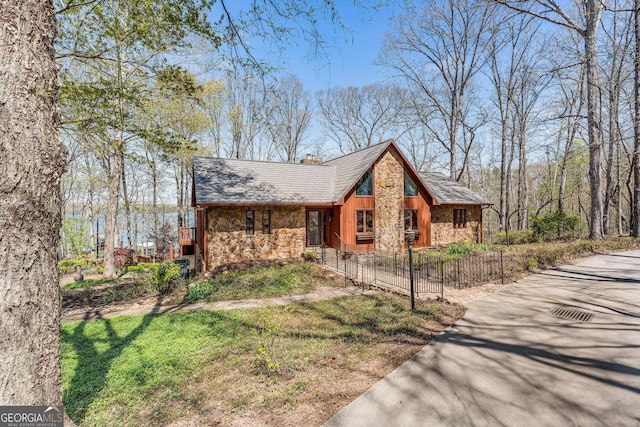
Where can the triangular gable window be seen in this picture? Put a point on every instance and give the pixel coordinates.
(410, 187)
(365, 185)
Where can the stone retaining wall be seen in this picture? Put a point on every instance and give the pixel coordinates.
(442, 231)
(230, 243)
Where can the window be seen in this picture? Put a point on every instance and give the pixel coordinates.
(365, 185)
(411, 219)
(459, 218)
(250, 225)
(364, 221)
(410, 187)
(266, 222)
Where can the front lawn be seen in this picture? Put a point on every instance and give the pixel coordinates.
(293, 365)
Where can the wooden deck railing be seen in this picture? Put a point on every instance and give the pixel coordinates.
(187, 236)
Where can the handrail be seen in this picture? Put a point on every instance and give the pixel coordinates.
(344, 246)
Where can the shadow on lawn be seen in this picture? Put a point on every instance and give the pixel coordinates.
(93, 366)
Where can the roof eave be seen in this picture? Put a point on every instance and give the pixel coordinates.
(263, 203)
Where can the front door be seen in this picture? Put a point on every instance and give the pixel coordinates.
(315, 227)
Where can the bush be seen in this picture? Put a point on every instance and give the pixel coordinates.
(310, 256)
(124, 257)
(466, 248)
(164, 277)
(136, 269)
(516, 237)
(555, 225)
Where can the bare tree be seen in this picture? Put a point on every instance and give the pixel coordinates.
(616, 74)
(591, 13)
(439, 51)
(288, 112)
(358, 117)
(635, 209)
(244, 117)
(513, 73)
(31, 165)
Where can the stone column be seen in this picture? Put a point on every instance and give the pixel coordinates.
(389, 197)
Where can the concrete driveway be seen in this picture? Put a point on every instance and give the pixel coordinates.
(510, 362)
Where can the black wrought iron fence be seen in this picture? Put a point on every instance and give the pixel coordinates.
(461, 271)
(432, 272)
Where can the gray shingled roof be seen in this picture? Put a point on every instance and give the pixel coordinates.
(448, 191)
(227, 181)
(221, 181)
(350, 167)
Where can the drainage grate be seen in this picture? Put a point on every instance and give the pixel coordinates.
(572, 314)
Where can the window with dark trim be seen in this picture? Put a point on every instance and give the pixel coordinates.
(365, 184)
(364, 221)
(266, 222)
(250, 222)
(459, 218)
(410, 187)
(411, 219)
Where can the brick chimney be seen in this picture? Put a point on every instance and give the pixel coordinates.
(310, 160)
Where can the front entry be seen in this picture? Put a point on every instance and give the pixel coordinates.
(315, 227)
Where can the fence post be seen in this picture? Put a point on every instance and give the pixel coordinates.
(501, 268)
(357, 262)
(441, 283)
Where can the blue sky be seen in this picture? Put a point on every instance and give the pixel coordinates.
(348, 59)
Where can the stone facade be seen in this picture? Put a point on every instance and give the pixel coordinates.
(389, 205)
(442, 231)
(229, 242)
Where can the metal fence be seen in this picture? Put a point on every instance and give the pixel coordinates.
(432, 272)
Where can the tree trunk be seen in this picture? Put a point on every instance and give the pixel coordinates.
(503, 209)
(609, 185)
(523, 196)
(112, 215)
(127, 204)
(593, 118)
(635, 210)
(154, 178)
(32, 162)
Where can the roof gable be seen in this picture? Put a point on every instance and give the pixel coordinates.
(351, 167)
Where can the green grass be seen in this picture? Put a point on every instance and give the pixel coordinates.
(274, 281)
(143, 370)
(115, 365)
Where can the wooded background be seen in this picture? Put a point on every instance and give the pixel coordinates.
(534, 108)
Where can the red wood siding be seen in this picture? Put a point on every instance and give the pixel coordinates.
(347, 233)
(424, 218)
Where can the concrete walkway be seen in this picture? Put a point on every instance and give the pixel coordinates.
(510, 362)
(136, 309)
